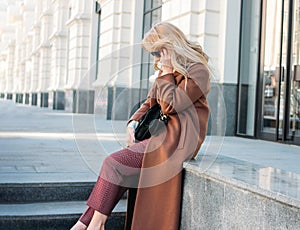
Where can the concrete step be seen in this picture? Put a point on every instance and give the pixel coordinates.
(53, 215)
(44, 192)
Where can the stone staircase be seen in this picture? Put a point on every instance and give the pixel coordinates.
(54, 206)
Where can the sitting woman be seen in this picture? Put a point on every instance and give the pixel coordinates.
(154, 165)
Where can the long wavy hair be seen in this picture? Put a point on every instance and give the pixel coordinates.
(183, 52)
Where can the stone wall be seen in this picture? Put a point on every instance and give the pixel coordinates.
(214, 200)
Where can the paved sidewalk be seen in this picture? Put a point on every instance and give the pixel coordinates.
(41, 145)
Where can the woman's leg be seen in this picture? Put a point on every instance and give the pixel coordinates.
(119, 171)
(98, 221)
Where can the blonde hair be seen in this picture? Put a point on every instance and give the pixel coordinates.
(182, 51)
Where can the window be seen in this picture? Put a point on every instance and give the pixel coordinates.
(152, 15)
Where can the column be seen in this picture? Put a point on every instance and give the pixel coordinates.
(35, 55)
(79, 96)
(45, 54)
(59, 53)
(10, 65)
(228, 63)
(3, 55)
(27, 11)
(17, 20)
(116, 57)
(8, 37)
(2, 74)
(28, 68)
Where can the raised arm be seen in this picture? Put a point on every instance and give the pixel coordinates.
(175, 93)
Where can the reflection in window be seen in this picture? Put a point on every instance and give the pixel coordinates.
(273, 74)
(295, 76)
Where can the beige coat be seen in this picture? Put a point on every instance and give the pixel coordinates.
(158, 199)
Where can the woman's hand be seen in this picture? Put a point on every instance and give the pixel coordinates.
(165, 60)
(130, 136)
(130, 133)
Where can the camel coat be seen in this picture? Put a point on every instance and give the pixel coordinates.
(158, 198)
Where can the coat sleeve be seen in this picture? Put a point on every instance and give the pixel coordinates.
(174, 98)
(150, 101)
(141, 111)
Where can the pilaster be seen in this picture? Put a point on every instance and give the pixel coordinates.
(59, 45)
(2, 74)
(35, 55)
(79, 37)
(118, 55)
(44, 50)
(10, 65)
(26, 14)
(115, 35)
(79, 95)
(3, 54)
(198, 19)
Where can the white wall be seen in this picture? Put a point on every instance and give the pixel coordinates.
(59, 45)
(230, 11)
(215, 25)
(115, 41)
(3, 44)
(79, 43)
(44, 47)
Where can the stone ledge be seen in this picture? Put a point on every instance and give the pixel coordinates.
(230, 195)
(245, 175)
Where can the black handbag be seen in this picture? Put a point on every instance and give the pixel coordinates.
(151, 123)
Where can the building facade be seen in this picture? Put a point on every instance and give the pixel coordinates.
(86, 57)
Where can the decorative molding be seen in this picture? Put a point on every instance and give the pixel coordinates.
(35, 53)
(37, 25)
(78, 17)
(47, 12)
(58, 34)
(44, 45)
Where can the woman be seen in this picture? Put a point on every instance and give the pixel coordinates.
(154, 165)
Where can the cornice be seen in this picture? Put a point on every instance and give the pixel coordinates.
(44, 45)
(58, 34)
(78, 17)
(46, 13)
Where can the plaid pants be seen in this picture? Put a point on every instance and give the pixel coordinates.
(119, 171)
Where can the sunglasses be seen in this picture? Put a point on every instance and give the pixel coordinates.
(155, 54)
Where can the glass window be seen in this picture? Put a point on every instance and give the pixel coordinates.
(273, 66)
(249, 54)
(274, 59)
(152, 15)
(279, 72)
(147, 22)
(156, 16)
(294, 116)
(156, 3)
(147, 5)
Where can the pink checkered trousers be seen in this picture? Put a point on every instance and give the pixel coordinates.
(119, 171)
